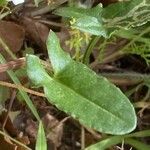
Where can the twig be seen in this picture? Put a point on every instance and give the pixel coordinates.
(20, 87)
(20, 62)
(12, 64)
(52, 23)
(48, 8)
(15, 141)
(9, 108)
(82, 137)
(61, 122)
(126, 78)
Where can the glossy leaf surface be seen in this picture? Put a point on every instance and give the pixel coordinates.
(80, 92)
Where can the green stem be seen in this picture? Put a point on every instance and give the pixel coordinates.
(23, 94)
(137, 77)
(122, 51)
(136, 38)
(137, 144)
(113, 140)
(6, 48)
(90, 49)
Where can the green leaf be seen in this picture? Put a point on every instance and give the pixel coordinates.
(4, 94)
(120, 9)
(113, 140)
(75, 12)
(90, 25)
(41, 143)
(22, 93)
(87, 20)
(104, 21)
(78, 91)
(127, 14)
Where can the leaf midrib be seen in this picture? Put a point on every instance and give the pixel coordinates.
(84, 97)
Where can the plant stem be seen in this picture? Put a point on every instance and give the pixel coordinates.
(136, 77)
(48, 8)
(15, 141)
(137, 144)
(18, 86)
(137, 37)
(6, 48)
(90, 49)
(110, 141)
(122, 51)
(23, 94)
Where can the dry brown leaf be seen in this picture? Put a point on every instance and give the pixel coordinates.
(54, 129)
(12, 34)
(36, 32)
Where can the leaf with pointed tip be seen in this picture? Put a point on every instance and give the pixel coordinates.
(87, 20)
(104, 21)
(41, 139)
(80, 92)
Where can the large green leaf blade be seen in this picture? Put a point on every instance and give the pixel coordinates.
(78, 91)
(82, 80)
(78, 106)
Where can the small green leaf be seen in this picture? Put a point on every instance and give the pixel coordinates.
(41, 143)
(78, 91)
(87, 20)
(74, 12)
(90, 25)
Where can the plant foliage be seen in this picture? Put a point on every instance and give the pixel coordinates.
(78, 91)
(104, 21)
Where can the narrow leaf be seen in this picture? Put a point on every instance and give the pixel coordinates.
(41, 139)
(22, 93)
(113, 140)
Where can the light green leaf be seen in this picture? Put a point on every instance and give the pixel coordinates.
(90, 25)
(4, 94)
(104, 21)
(113, 140)
(127, 14)
(22, 93)
(75, 12)
(120, 9)
(87, 20)
(41, 143)
(78, 91)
